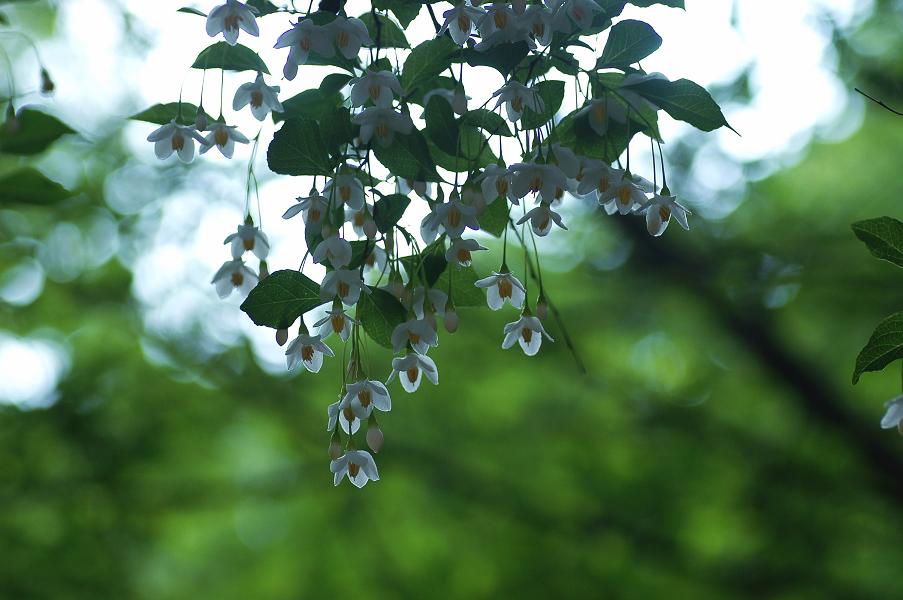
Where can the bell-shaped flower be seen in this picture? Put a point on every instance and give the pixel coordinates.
(528, 332)
(380, 87)
(454, 216)
(567, 162)
(365, 395)
(349, 34)
(336, 321)
(547, 180)
(173, 137)
(410, 370)
(627, 194)
(541, 219)
(248, 238)
(228, 18)
(305, 36)
(460, 251)
(498, 16)
(516, 97)
(424, 189)
(334, 250)
(659, 210)
(347, 189)
(495, 182)
(313, 209)
(262, 98)
(341, 412)
(581, 12)
(362, 221)
(234, 275)
(460, 21)
(223, 137)
(307, 350)
(502, 286)
(358, 465)
(893, 414)
(541, 22)
(376, 260)
(597, 178)
(380, 124)
(601, 111)
(433, 301)
(417, 333)
(344, 284)
(513, 32)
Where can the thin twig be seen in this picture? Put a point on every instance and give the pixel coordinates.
(879, 103)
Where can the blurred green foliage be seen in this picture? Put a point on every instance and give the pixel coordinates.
(714, 450)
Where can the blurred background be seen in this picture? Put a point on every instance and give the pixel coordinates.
(152, 445)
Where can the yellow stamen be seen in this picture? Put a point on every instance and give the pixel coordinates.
(248, 244)
(345, 192)
(365, 397)
(500, 18)
(305, 44)
(517, 103)
(353, 469)
(343, 289)
(382, 130)
(256, 98)
(600, 112)
(307, 353)
(464, 256)
(527, 334)
(338, 323)
(342, 38)
(238, 278)
(664, 212)
(231, 22)
(454, 217)
(603, 184)
(536, 183)
(501, 186)
(374, 91)
(506, 288)
(624, 194)
(412, 374)
(178, 141)
(221, 136)
(463, 22)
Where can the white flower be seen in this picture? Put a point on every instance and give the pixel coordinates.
(566, 160)
(249, 238)
(362, 221)
(234, 275)
(893, 414)
(303, 37)
(376, 259)
(456, 98)
(336, 321)
(512, 32)
(335, 250)
(417, 333)
(602, 110)
(260, 96)
(454, 216)
(496, 183)
(459, 251)
(625, 195)
(365, 395)
(309, 351)
(173, 137)
(541, 22)
(424, 189)
(340, 411)
(460, 21)
(379, 86)
(349, 35)
(541, 219)
(581, 11)
(348, 190)
(344, 284)
(434, 301)
(501, 286)
(383, 123)
(547, 180)
(517, 97)
(597, 178)
(499, 15)
(228, 18)
(358, 465)
(410, 370)
(314, 208)
(528, 332)
(659, 210)
(223, 137)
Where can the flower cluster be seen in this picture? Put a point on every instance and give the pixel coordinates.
(381, 279)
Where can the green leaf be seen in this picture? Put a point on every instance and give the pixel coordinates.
(337, 60)
(647, 3)
(264, 7)
(334, 83)
(4, 20)
(408, 157)
(30, 186)
(360, 250)
(474, 152)
(458, 283)
(312, 104)
(192, 11)
(229, 58)
(379, 313)
(492, 123)
(552, 93)
(298, 149)
(161, 114)
(388, 210)
(884, 238)
(36, 132)
(685, 101)
(628, 42)
(503, 58)
(884, 347)
(390, 34)
(404, 10)
(426, 61)
(280, 299)
(441, 127)
(495, 218)
(336, 129)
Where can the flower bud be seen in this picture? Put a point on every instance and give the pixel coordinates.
(375, 437)
(370, 229)
(451, 320)
(519, 6)
(47, 85)
(281, 336)
(200, 121)
(542, 308)
(389, 242)
(335, 447)
(430, 318)
(264, 270)
(459, 100)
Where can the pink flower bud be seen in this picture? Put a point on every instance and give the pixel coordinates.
(451, 320)
(264, 270)
(374, 437)
(200, 121)
(281, 336)
(335, 448)
(370, 229)
(542, 308)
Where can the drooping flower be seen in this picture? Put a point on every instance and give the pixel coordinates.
(597, 178)
(528, 332)
(601, 111)
(498, 16)
(358, 465)
(376, 259)
(347, 189)
(580, 11)
(542, 23)
(460, 21)
(304, 36)
(228, 18)
(349, 35)
(313, 207)
(248, 238)
(500, 286)
(381, 124)
(457, 98)
(333, 249)
(424, 189)
(336, 321)
(223, 137)
(173, 137)
(417, 333)
(459, 251)
(234, 275)
(307, 350)
(495, 182)
(547, 180)
(453, 216)
(344, 284)
(659, 210)
(626, 195)
(541, 219)
(365, 395)
(410, 370)
(893, 414)
(430, 302)
(516, 97)
(340, 412)
(380, 87)
(262, 98)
